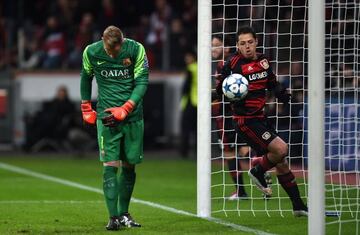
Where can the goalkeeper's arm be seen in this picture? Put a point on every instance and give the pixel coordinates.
(88, 114)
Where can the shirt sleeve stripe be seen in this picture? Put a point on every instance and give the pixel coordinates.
(86, 62)
(141, 62)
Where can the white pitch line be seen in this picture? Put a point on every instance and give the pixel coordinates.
(49, 202)
(24, 171)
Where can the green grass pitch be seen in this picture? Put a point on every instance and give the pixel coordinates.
(33, 205)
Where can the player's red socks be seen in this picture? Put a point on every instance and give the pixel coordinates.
(236, 174)
(287, 180)
(265, 163)
(289, 184)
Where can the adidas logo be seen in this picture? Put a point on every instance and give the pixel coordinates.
(250, 68)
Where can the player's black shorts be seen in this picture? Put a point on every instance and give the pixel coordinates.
(256, 132)
(226, 134)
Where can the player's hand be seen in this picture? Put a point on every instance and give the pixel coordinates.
(284, 98)
(120, 113)
(109, 121)
(88, 114)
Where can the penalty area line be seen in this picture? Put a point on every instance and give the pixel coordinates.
(34, 174)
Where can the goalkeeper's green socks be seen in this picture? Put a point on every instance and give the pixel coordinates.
(126, 186)
(111, 189)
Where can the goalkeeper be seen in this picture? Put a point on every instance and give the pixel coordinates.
(120, 68)
(250, 121)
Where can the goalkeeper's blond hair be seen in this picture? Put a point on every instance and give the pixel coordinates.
(112, 36)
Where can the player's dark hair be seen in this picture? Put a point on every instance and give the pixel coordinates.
(245, 30)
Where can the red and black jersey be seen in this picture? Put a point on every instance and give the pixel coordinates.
(260, 77)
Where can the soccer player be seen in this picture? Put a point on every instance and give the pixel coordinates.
(227, 135)
(250, 121)
(189, 105)
(120, 68)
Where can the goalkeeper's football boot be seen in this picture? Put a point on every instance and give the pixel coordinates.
(300, 210)
(113, 224)
(127, 221)
(268, 180)
(257, 175)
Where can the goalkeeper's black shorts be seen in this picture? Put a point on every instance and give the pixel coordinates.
(256, 132)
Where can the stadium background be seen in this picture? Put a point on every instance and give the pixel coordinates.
(41, 44)
(40, 50)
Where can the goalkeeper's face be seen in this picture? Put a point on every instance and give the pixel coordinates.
(112, 47)
(247, 45)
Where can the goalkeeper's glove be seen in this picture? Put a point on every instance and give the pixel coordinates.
(88, 114)
(118, 113)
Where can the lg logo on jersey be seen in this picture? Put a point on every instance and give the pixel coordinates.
(257, 76)
(116, 73)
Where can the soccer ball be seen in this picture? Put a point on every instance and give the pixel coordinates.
(235, 86)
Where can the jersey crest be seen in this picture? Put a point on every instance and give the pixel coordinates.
(126, 62)
(264, 63)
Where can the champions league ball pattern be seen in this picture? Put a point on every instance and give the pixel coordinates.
(235, 86)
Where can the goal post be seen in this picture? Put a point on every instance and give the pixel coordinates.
(204, 110)
(316, 118)
(313, 48)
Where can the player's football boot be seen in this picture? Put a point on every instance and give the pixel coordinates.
(300, 210)
(127, 221)
(113, 224)
(267, 176)
(235, 195)
(258, 177)
(268, 180)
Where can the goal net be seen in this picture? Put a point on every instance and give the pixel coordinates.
(281, 28)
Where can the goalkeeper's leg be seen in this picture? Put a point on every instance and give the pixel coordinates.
(126, 186)
(111, 192)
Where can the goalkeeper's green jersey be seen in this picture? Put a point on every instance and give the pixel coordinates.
(119, 79)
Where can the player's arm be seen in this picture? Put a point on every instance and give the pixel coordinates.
(279, 91)
(141, 77)
(222, 73)
(87, 73)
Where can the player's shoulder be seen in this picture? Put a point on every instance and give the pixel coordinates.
(131, 43)
(235, 56)
(261, 56)
(94, 48)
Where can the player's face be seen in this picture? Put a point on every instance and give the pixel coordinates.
(112, 51)
(217, 48)
(247, 45)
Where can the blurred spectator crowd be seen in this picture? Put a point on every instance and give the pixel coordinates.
(283, 37)
(52, 34)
